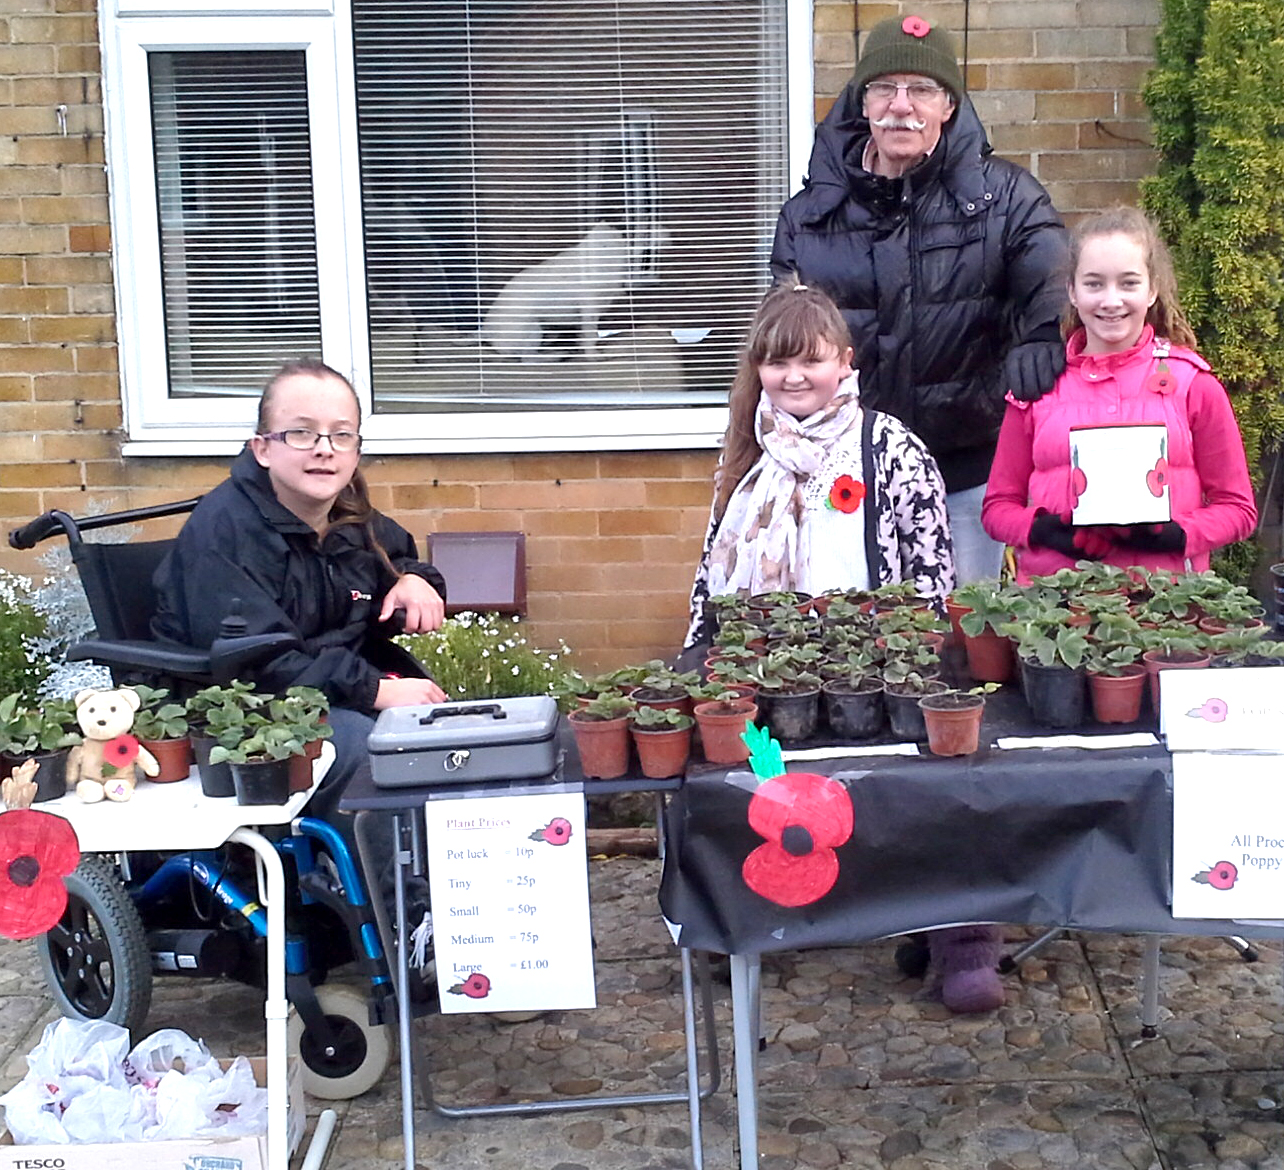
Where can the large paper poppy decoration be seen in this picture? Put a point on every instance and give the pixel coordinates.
(803, 817)
(37, 850)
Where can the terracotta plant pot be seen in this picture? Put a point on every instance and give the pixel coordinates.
(1157, 661)
(174, 757)
(603, 745)
(954, 611)
(759, 604)
(1212, 625)
(300, 773)
(721, 725)
(953, 723)
(662, 753)
(1117, 698)
(662, 700)
(990, 657)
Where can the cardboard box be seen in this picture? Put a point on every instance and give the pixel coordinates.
(243, 1153)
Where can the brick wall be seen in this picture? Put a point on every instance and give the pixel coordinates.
(612, 538)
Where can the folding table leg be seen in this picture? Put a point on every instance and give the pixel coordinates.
(1150, 987)
(745, 972)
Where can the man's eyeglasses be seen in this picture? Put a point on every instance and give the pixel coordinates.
(918, 91)
(304, 439)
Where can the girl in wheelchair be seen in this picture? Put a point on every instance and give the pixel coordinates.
(292, 535)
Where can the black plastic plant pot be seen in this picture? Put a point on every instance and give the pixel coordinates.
(904, 714)
(216, 779)
(790, 717)
(262, 781)
(51, 776)
(851, 713)
(1056, 695)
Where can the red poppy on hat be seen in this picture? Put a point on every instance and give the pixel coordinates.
(846, 494)
(915, 26)
(37, 850)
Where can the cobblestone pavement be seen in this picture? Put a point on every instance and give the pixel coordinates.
(860, 1070)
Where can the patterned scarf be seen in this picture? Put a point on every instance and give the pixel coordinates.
(763, 543)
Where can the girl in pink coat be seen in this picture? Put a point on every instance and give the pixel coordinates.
(1129, 359)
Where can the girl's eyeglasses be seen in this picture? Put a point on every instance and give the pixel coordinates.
(918, 91)
(304, 439)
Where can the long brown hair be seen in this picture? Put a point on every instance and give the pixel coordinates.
(792, 319)
(1165, 315)
(352, 505)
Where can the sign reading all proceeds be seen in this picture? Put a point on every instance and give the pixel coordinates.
(510, 904)
(1228, 835)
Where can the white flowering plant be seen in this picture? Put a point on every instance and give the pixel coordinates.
(23, 665)
(484, 656)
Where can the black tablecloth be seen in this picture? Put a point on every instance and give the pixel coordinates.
(1065, 837)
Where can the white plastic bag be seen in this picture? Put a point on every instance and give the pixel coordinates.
(74, 1058)
(84, 1085)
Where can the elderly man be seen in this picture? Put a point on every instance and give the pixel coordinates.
(948, 263)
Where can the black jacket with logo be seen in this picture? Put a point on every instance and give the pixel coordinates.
(241, 542)
(938, 272)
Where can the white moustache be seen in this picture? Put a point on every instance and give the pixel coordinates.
(892, 122)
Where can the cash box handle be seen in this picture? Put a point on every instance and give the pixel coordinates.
(494, 710)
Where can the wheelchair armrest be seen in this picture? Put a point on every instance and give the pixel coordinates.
(221, 663)
(159, 658)
(229, 656)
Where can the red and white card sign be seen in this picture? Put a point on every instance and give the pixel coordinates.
(1119, 474)
(510, 903)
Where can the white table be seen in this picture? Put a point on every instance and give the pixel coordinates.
(178, 816)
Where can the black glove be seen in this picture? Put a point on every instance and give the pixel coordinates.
(1031, 369)
(1168, 537)
(1080, 544)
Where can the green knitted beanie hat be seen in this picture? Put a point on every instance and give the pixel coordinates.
(909, 45)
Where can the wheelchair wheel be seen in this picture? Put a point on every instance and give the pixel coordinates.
(96, 960)
(359, 1059)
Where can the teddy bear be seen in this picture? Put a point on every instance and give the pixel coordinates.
(105, 766)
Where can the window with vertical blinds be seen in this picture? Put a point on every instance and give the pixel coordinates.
(234, 196)
(565, 202)
(507, 208)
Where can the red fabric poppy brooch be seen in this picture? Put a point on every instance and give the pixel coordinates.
(803, 818)
(1161, 381)
(37, 850)
(119, 754)
(846, 495)
(915, 26)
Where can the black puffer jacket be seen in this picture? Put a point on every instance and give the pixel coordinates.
(938, 272)
(241, 542)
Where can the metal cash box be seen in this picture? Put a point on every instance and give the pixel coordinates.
(463, 743)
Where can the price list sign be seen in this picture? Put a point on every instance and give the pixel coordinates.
(510, 903)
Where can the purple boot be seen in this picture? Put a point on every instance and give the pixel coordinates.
(965, 958)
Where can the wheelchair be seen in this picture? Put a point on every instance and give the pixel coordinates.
(133, 916)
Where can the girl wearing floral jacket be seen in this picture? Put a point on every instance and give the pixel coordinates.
(1129, 359)
(812, 492)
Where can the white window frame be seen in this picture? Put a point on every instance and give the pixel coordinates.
(157, 424)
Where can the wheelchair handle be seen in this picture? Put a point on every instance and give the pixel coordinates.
(45, 526)
(494, 710)
(41, 528)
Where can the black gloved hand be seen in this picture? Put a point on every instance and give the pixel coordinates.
(1056, 533)
(1031, 369)
(1168, 537)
